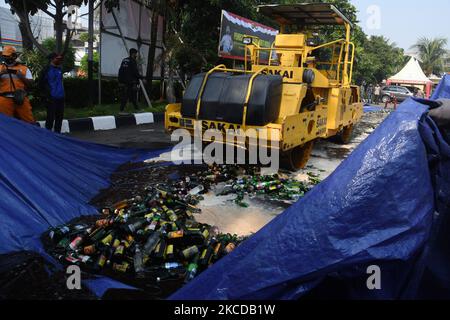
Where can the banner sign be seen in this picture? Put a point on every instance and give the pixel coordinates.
(232, 31)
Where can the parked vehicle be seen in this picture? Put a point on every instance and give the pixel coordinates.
(401, 93)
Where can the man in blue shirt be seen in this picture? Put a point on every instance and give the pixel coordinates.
(53, 83)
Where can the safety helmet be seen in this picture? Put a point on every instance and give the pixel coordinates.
(8, 51)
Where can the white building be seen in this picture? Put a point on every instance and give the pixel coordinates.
(41, 25)
(9, 30)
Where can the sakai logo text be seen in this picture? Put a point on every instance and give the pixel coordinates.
(223, 127)
(284, 74)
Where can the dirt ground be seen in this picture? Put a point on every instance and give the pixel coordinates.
(326, 157)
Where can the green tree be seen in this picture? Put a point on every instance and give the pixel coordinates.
(193, 28)
(84, 64)
(432, 53)
(377, 60)
(84, 37)
(36, 60)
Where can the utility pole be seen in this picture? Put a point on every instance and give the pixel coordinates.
(91, 53)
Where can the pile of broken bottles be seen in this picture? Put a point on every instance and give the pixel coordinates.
(154, 238)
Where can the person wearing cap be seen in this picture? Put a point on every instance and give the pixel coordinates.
(51, 82)
(15, 79)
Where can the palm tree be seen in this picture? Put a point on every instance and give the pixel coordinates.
(432, 52)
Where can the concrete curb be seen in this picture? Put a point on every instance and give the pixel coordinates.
(109, 122)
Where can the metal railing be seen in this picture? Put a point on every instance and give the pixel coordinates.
(336, 64)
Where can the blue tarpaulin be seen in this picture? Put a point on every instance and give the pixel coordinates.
(378, 207)
(47, 180)
(368, 108)
(443, 89)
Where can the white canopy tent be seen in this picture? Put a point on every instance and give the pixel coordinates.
(412, 74)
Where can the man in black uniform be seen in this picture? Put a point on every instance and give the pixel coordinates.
(129, 78)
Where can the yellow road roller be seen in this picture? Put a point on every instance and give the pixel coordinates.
(301, 90)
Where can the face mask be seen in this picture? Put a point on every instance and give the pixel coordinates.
(9, 60)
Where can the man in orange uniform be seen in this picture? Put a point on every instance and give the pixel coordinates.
(14, 76)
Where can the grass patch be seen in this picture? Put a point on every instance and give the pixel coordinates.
(100, 110)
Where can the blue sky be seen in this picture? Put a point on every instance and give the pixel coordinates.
(402, 21)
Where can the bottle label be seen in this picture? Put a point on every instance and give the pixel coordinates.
(89, 249)
(75, 243)
(121, 267)
(173, 217)
(84, 258)
(163, 193)
(101, 260)
(189, 252)
(175, 234)
(107, 240)
(126, 244)
(116, 243)
(230, 247)
(169, 250)
(149, 216)
(151, 226)
(72, 259)
(172, 265)
(102, 223)
(119, 250)
(130, 240)
(64, 229)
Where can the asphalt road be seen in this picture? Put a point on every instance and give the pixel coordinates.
(147, 136)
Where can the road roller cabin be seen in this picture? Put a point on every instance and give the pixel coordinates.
(302, 93)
